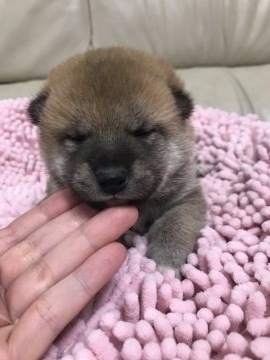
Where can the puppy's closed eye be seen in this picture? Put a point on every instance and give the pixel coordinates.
(143, 132)
(76, 137)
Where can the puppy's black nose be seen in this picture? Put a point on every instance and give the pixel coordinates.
(111, 179)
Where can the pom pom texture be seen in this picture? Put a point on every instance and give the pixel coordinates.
(221, 308)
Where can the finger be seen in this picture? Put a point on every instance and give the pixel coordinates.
(28, 252)
(4, 316)
(47, 210)
(44, 320)
(68, 255)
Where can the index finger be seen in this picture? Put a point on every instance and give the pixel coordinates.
(45, 211)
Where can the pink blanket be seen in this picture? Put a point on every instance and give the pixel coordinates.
(221, 310)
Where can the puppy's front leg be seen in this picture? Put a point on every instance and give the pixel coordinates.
(174, 235)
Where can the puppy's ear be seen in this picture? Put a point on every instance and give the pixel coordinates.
(183, 101)
(36, 107)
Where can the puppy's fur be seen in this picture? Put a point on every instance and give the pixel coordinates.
(114, 128)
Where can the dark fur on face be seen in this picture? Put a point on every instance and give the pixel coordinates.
(114, 128)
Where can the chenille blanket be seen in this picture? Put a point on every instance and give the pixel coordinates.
(221, 308)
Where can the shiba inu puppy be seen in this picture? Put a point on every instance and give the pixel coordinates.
(114, 128)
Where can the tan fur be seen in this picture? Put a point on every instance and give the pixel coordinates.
(107, 94)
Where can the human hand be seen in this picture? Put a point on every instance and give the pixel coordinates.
(53, 260)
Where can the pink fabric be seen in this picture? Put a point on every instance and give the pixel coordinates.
(221, 309)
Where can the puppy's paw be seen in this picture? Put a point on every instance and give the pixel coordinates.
(127, 239)
(166, 259)
(202, 170)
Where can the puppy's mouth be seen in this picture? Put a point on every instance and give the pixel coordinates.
(105, 200)
(115, 201)
(115, 192)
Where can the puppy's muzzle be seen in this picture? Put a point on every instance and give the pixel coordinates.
(112, 180)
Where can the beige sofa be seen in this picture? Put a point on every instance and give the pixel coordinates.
(220, 47)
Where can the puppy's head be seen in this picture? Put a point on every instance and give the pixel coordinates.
(114, 126)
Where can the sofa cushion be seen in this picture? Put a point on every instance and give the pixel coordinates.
(188, 32)
(37, 35)
(239, 89)
(20, 89)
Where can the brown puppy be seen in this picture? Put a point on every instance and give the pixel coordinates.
(114, 128)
